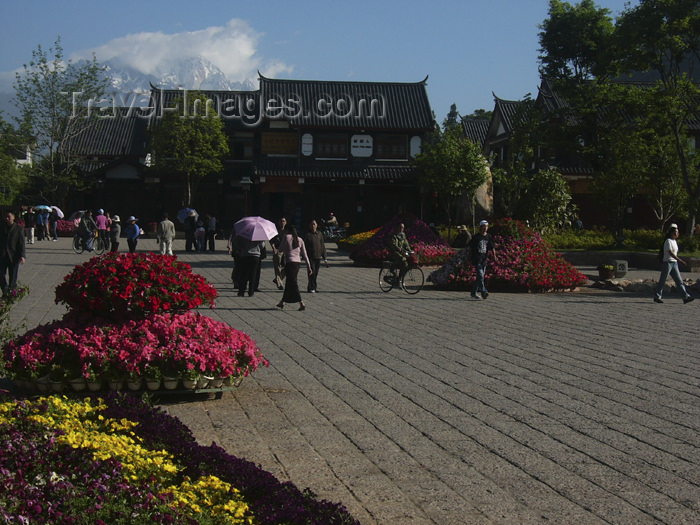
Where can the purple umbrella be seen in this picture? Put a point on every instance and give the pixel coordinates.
(255, 228)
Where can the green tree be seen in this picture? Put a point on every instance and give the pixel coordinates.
(547, 201)
(452, 119)
(576, 41)
(13, 178)
(524, 189)
(189, 141)
(54, 98)
(663, 36)
(455, 168)
(480, 114)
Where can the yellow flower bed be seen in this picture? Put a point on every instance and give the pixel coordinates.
(85, 427)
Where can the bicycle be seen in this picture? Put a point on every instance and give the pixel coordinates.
(412, 281)
(97, 245)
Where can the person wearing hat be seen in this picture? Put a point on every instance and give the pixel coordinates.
(132, 233)
(479, 247)
(190, 228)
(399, 248)
(101, 222)
(670, 266)
(463, 237)
(115, 231)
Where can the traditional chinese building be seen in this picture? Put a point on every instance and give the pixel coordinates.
(298, 148)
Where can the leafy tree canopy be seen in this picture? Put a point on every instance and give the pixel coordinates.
(190, 141)
(54, 97)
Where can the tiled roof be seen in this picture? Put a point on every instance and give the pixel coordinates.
(475, 129)
(350, 104)
(123, 134)
(509, 110)
(284, 168)
(321, 104)
(239, 109)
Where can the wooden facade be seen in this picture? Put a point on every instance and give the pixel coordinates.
(302, 149)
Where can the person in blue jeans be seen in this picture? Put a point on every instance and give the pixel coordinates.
(670, 266)
(479, 248)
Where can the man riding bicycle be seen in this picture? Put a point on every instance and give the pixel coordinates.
(399, 249)
(86, 230)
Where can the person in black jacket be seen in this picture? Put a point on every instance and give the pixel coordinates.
(12, 251)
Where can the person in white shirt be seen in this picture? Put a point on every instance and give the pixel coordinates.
(670, 266)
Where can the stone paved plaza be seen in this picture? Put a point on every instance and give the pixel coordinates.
(571, 408)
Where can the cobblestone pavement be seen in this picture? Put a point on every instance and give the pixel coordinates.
(572, 408)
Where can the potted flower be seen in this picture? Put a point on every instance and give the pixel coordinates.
(606, 271)
(153, 376)
(134, 380)
(56, 377)
(190, 378)
(92, 379)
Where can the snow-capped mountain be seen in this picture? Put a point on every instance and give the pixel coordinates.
(190, 73)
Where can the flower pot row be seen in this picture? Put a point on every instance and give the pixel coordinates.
(45, 385)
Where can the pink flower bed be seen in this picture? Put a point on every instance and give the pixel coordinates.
(525, 263)
(172, 343)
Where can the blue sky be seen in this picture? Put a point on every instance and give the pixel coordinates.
(468, 48)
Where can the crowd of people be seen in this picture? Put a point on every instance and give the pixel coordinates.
(289, 249)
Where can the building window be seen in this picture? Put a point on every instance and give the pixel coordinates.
(391, 147)
(331, 146)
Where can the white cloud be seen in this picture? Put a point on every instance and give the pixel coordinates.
(232, 48)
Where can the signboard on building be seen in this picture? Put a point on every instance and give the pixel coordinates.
(361, 145)
(307, 144)
(273, 143)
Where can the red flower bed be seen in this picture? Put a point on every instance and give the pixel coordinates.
(525, 263)
(134, 284)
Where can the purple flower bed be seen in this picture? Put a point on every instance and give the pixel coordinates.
(271, 501)
(430, 247)
(48, 483)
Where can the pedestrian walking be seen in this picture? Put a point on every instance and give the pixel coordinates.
(132, 232)
(165, 233)
(115, 232)
(12, 252)
(102, 224)
(53, 225)
(190, 228)
(479, 247)
(249, 260)
(669, 266)
(316, 250)
(211, 231)
(29, 218)
(40, 225)
(294, 250)
(277, 257)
